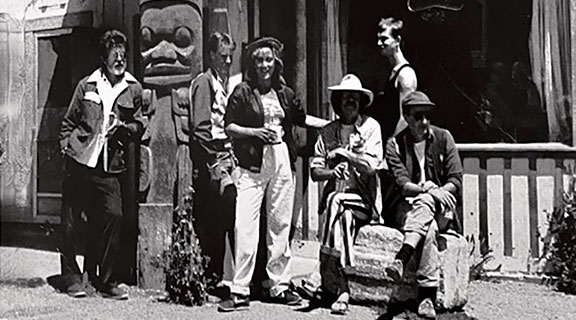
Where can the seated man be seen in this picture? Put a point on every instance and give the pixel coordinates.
(427, 175)
(347, 154)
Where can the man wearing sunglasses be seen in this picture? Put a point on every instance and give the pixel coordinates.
(427, 175)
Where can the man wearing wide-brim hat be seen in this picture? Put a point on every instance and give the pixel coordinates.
(347, 155)
(427, 174)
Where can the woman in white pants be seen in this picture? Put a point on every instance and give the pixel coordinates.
(260, 115)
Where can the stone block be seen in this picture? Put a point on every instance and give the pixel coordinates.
(375, 249)
(155, 224)
(454, 271)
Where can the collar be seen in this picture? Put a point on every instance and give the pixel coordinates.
(98, 75)
(359, 121)
(429, 136)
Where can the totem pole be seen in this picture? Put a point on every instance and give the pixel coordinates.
(171, 56)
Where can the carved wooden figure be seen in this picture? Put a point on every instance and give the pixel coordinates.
(171, 55)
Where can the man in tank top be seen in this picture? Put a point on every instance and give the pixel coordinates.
(387, 108)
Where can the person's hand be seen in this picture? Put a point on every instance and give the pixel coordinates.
(341, 171)
(338, 152)
(267, 135)
(444, 197)
(428, 185)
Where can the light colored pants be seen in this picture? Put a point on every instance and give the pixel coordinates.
(275, 182)
(419, 217)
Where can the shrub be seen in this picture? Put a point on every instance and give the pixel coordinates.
(562, 255)
(185, 273)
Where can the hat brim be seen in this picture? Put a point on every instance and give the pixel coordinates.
(366, 92)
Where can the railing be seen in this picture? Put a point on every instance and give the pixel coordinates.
(508, 192)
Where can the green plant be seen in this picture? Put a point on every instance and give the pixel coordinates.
(479, 258)
(185, 273)
(562, 255)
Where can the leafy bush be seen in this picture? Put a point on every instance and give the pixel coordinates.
(562, 255)
(185, 273)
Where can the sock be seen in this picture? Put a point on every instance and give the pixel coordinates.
(405, 253)
(427, 292)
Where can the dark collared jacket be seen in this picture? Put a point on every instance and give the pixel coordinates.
(245, 109)
(83, 121)
(442, 162)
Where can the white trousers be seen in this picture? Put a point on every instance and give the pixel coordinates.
(275, 182)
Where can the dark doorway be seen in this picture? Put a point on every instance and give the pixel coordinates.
(456, 55)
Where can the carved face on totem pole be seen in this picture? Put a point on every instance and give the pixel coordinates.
(170, 41)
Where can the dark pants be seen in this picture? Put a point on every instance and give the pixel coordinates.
(98, 195)
(214, 215)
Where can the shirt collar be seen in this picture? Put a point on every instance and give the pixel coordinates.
(98, 75)
(429, 136)
(359, 121)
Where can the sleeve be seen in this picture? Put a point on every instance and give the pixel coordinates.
(137, 125)
(399, 171)
(200, 124)
(452, 163)
(374, 151)
(298, 113)
(319, 158)
(233, 109)
(71, 119)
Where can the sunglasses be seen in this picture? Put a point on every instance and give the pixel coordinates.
(420, 115)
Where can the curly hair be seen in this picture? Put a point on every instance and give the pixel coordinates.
(111, 39)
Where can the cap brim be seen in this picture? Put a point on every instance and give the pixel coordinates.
(429, 105)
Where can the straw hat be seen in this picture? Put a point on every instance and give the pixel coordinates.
(351, 82)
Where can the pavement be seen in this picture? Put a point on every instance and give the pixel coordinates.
(25, 294)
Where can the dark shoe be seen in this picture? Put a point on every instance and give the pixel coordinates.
(307, 291)
(235, 303)
(426, 309)
(287, 297)
(114, 293)
(395, 271)
(76, 290)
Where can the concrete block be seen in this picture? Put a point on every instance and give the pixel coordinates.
(155, 224)
(454, 271)
(375, 249)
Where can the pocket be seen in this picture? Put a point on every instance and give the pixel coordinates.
(125, 104)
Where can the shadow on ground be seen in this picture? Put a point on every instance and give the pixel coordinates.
(396, 311)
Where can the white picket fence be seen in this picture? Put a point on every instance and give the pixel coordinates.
(508, 192)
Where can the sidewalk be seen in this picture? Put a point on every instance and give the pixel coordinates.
(24, 294)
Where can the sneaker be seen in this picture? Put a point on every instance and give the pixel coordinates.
(76, 290)
(395, 271)
(426, 309)
(287, 297)
(114, 293)
(235, 303)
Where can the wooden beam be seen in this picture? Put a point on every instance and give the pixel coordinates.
(573, 68)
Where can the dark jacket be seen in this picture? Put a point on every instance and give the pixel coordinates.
(83, 121)
(443, 163)
(203, 146)
(245, 109)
